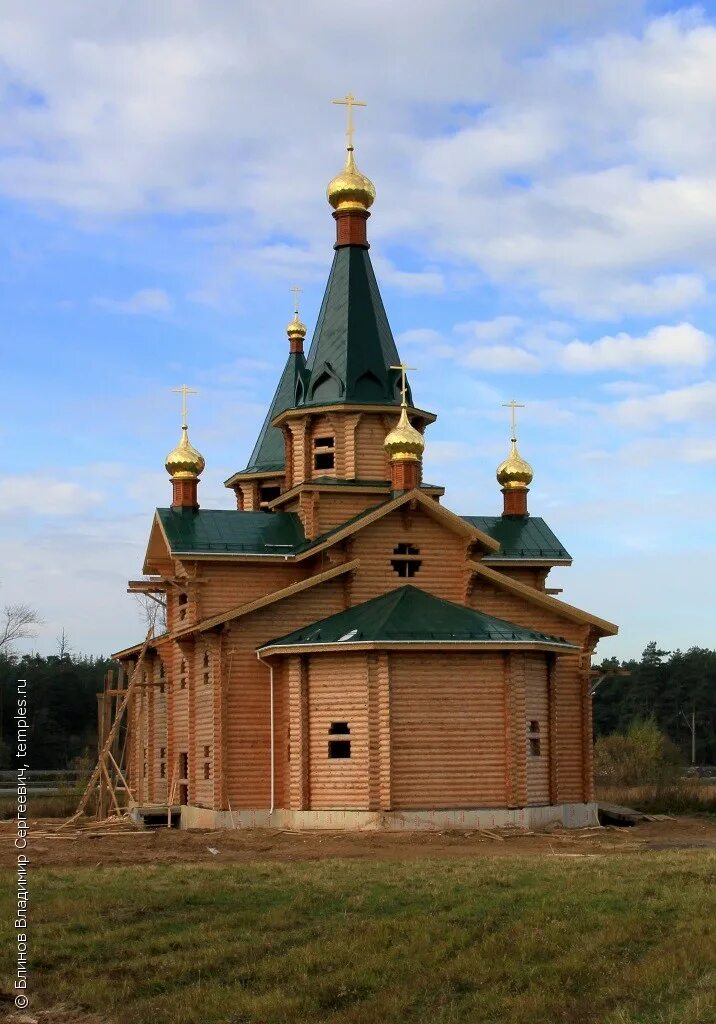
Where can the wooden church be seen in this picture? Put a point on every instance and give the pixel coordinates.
(342, 650)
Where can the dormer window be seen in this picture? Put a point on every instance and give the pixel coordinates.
(406, 560)
(324, 452)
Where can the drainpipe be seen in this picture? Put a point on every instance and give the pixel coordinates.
(273, 753)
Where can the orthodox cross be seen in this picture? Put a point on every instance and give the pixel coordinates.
(403, 382)
(184, 391)
(350, 101)
(513, 405)
(296, 292)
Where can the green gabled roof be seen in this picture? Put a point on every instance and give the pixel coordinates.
(227, 531)
(409, 614)
(526, 537)
(268, 454)
(353, 347)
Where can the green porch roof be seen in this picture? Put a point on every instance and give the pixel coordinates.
(228, 531)
(409, 614)
(353, 347)
(526, 537)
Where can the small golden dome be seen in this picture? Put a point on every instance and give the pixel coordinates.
(351, 190)
(514, 473)
(185, 462)
(295, 328)
(404, 443)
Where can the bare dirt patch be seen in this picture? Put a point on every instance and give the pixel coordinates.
(124, 844)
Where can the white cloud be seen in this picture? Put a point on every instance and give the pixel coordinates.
(679, 345)
(146, 300)
(43, 496)
(419, 336)
(696, 403)
(490, 330)
(502, 359)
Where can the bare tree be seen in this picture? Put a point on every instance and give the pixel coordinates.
(63, 646)
(18, 622)
(153, 612)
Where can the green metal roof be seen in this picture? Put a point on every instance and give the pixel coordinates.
(227, 531)
(353, 347)
(268, 454)
(526, 537)
(409, 614)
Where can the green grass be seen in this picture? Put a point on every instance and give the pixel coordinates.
(612, 939)
(43, 805)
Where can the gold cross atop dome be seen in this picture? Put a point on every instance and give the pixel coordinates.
(184, 462)
(514, 473)
(350, 190)
(296, 330)
(349, 101)
(296, 292)
(403, 367)
(513, 405)
(184, 391)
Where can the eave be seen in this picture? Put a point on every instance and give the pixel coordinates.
(539, 597)
(417, 645)
(315, 410)
(255, 475)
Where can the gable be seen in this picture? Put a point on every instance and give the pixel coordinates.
(437, 553)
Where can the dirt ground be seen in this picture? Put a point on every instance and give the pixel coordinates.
(121, 843)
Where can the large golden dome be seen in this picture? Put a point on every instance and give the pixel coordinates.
(184, 462)
(351, 190)
(404, 443)
(514, 472)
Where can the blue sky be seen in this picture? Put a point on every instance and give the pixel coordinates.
(545, 229)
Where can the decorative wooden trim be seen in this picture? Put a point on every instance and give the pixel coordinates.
(318, 410)
(568, 611)
(348, 647)
(552, 730)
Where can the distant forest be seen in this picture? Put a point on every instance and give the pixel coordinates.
(663, 685)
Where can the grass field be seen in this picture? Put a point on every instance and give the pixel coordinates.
(628, 939)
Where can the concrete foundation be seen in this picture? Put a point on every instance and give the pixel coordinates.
(567, 815)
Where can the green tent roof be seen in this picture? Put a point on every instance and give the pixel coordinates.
(353, 347)
(268, 454)
(409, 614)
(526, 537)
(226, 531)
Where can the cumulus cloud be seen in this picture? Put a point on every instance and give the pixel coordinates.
(45, 496)
(680, 405)
(144, 301)
(502, 359)
(678, 345)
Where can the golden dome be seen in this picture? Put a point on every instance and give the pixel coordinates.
(185, 462)
(404, 443)
(351, 190)
(514, 473)
(295, 328)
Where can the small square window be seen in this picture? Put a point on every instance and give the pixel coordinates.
(407, 563)
(534, 726)
(339, 748)
(324, 460)
(339, 729)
